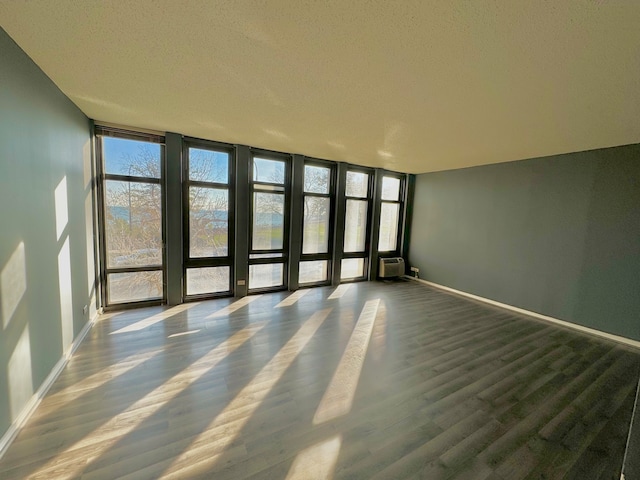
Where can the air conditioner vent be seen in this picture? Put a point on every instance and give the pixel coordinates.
(391, 267)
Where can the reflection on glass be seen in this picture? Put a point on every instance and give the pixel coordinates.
(355, 228)
(267, 275)
(314, 271)
(352, 268)
(131, 157)
(268, 221)
(133, 224)
(357, 184)
(208, 222)
(388, 238)
(316, 225)
(208, 280)
(134, 287)
(390, 188)
(208, 166)
(269, 171)
(316, 179)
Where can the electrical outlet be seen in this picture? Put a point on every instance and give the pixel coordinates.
(85, 310)
(415, 269)
(241, 282)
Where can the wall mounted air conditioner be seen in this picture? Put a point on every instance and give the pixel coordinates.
(391, 267)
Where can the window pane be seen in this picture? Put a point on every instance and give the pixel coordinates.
(134, 287)
(270, 171)
(352, 268)
(208, 222)
(208, 280)
(316, 179)
(388, 227)
(208, 166)
(316, 225)
(357, 184)
(266, 255)
(268, 188)
(268, 275)
(390, 188)
(133, 224)
(268, 221)
(312, 272)
(131, 157)
(355, 228)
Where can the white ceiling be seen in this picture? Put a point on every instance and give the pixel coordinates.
(413, 86)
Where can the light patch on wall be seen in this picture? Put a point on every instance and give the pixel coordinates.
(316, 462)
(20, 375)
(62, 210)
(338, 398)
(66, 295)
(13, 284)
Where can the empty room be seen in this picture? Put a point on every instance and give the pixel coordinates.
(319, 240)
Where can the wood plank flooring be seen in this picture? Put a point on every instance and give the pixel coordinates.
(369, 380)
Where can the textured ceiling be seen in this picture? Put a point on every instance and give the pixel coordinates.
(413, 86)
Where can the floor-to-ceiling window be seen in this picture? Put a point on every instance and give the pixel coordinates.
(317, 227)
(357, 226)
(268, 251)
(183, 204)
(391, 209)
(131, 213)
(209, 219)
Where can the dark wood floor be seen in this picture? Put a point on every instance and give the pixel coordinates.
(370, 380)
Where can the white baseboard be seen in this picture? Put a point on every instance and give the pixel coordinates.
(564, 323)
(37, 397)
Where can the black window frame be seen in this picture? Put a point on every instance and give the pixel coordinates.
(213, 261)
(102, 178)
(328, 256)
(400, 202)
(366, 254)
(268, 187)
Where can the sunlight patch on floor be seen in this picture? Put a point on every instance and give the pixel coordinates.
(125, 422)
(292, 299)
(181, 334)
(103, 376)
(223, 430)
(339, 292)
(229, 309)
(153, 319)
(316, 462)
(338, 398)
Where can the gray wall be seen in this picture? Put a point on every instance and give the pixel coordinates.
(46, 254)
(556, 235)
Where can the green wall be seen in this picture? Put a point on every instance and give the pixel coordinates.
(46, 253)
(557, 235)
